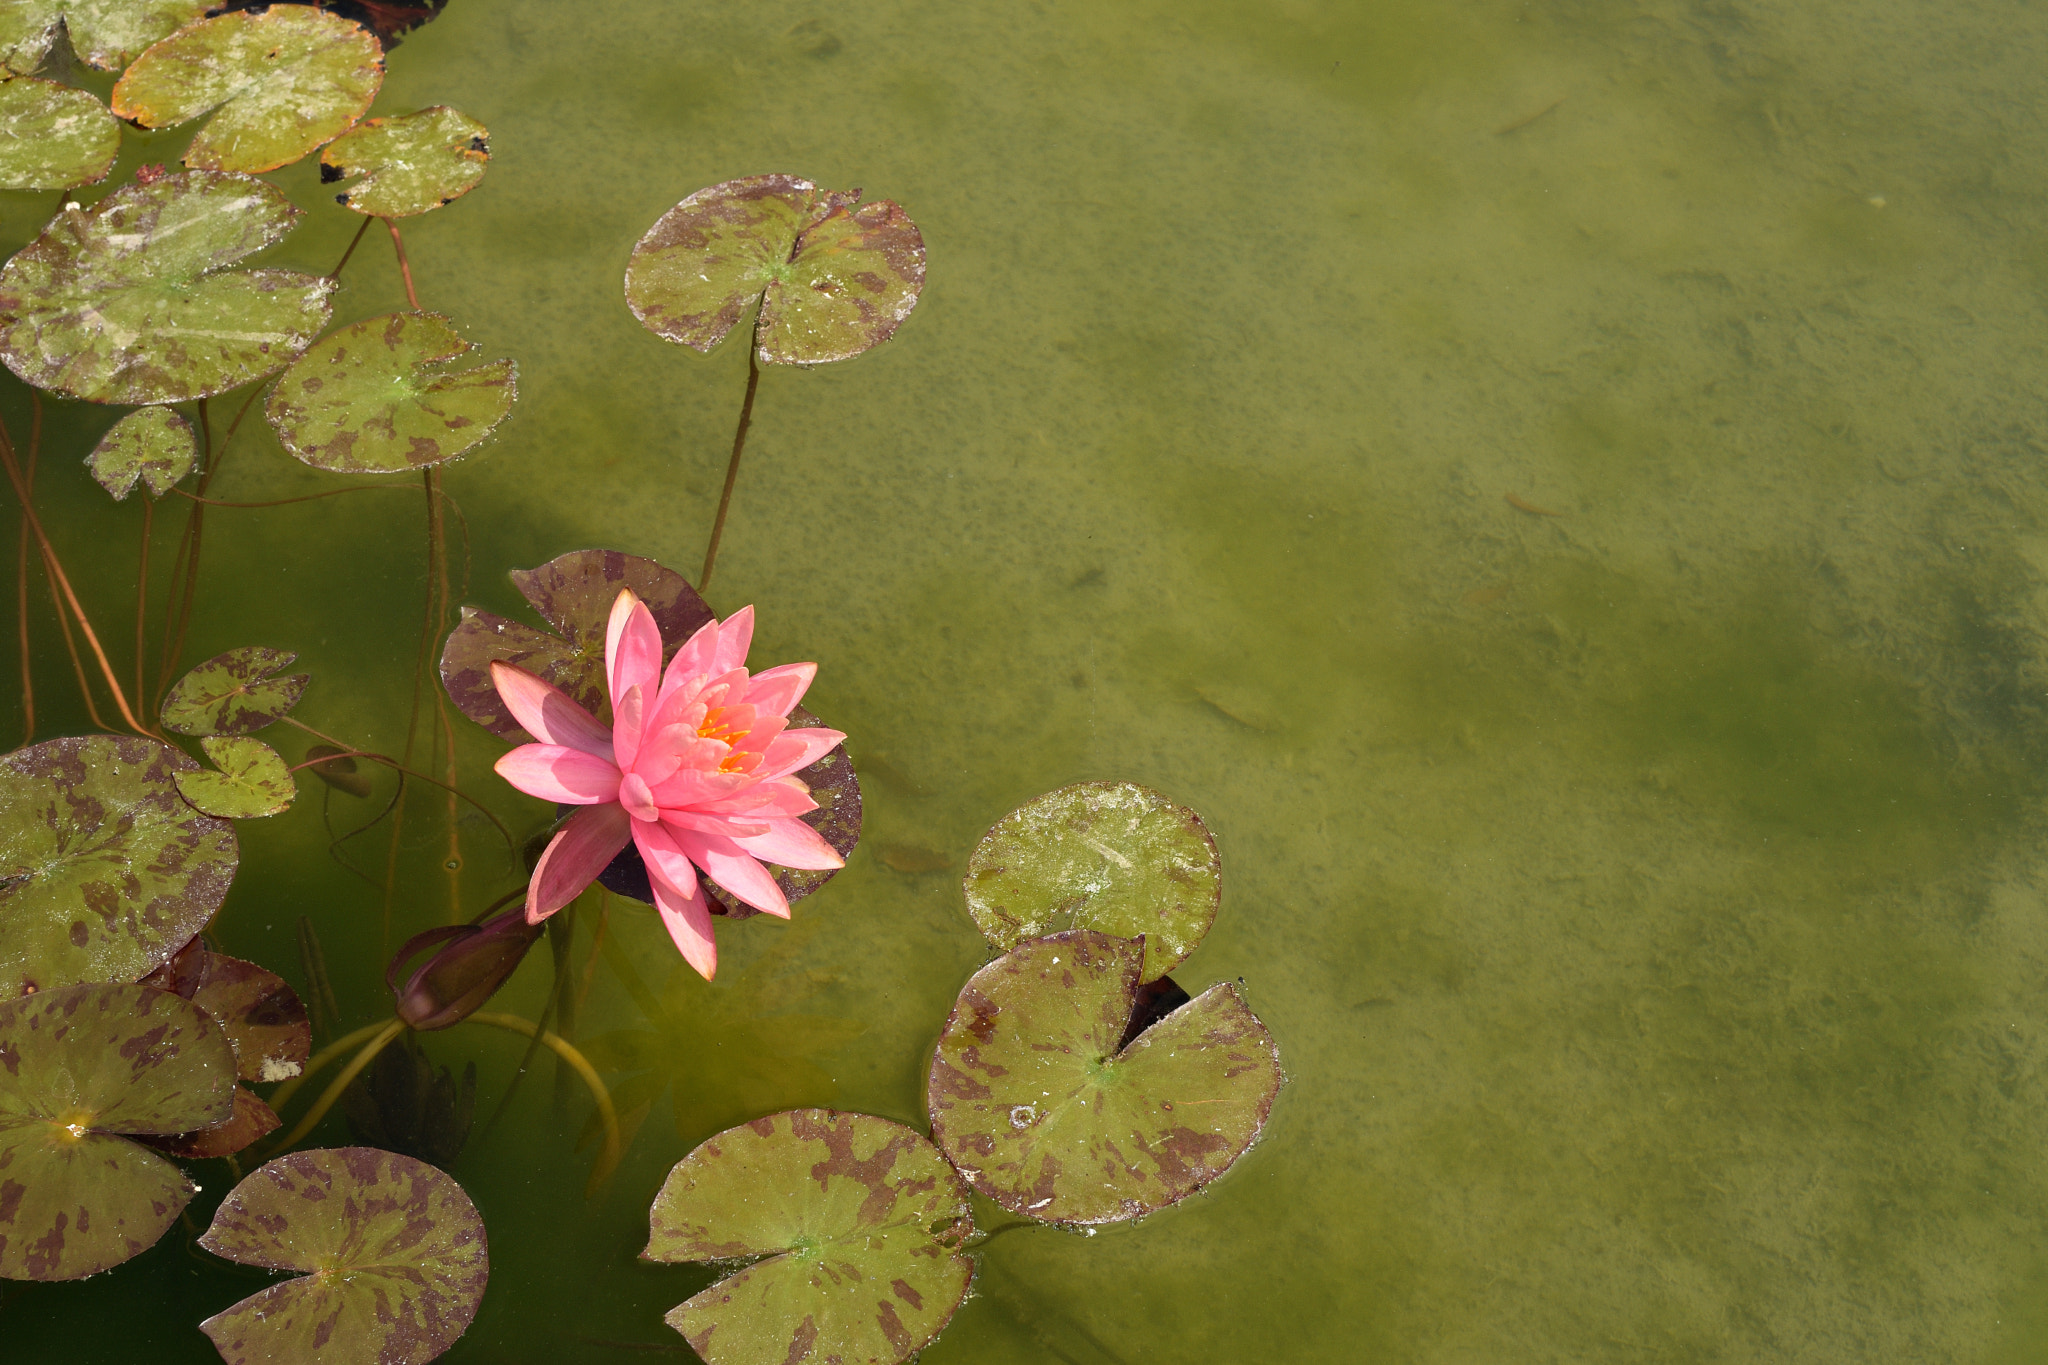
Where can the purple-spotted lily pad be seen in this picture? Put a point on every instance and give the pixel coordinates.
(285, 80)
(105, 870)
(234, 693)
(132, 300)
(252, 780)
(53, 136)
(857, 1222)
(153, 444)
(375, 397)
(409, 164)
(1111, 856)
(834, 277)
(1034, 1100)
(393, 1252)
(107, 34)
(82, 1068)
(266, 1025)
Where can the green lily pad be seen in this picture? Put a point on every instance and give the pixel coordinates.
(285, 80)
(1112, 856)
(859, 1221)
(107, 34)
(234, 693)
(53, 136)
(105, 871)
(832, 279)
(85, 1066)
(410, 164)
(264, 1019)
(372, 398)
(252, 782)
(393, 1249)
(153, 444)
(1032, 1098)
(132, 301)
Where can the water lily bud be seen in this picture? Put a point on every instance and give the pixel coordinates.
(466, 972)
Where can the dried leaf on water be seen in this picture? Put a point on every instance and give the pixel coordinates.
(153, 444)
(409, 163)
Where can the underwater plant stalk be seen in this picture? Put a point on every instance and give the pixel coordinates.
(739, 443)
(142, 592)
(389, 762)
(567, 1052)
(318, 1061)
(404, 269)
(444, 732)
(28, 681)
(335, 273)
(185, 559)
(304, 497)
(340, 1083)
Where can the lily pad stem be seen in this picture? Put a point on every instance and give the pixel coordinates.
(739, 443)
(595, 1083)
(397, 767)
(185, 559)
(340, 1083)
(404, 269)
(28, 681)
(142, 592)
(335, 273)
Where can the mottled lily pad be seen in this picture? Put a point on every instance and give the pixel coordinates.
(285, 80)
(264, 1019)
(1112, 856)
(251, 1120)
(409, 164)
(393, 1249)
(234, 693)
(153, 444)
(81, 1069)
(374, 398)
(53, 136)
(859, 1221)
(132, 300)
(105, 870)
(1032, 1098)
(107, 34)
(252, 782)
(834, 277)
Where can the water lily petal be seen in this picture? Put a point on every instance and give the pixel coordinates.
(792, 843)
(632, 646)
(628, 712)
(732, 868)
(547, 712)
(726, 826)
(555, 772)
(735, 638)
(774, 692)
(692, 661)
(582, 849)
(794, 749)
(775, 797)
(692, 787)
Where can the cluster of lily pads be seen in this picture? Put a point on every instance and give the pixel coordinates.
(1074, 1084)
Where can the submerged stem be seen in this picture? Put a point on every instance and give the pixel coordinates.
(739, 444)
(335, 273)
(341, 1083)
(404, 269)
(142, 593)
(387, 761)
(28, 682)
(567, 1052)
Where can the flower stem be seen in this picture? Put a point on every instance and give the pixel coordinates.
(404, 269)
(739, 443)
(340, 1083)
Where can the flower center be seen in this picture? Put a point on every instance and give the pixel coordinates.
(637, 798)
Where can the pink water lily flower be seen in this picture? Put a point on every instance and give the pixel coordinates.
(695, 770)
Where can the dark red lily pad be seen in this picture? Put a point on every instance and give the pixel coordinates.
(263, 1016)
(1037, 1099)
(858, 1222)
(393, 1249)
(252, 1120)
(82, 1069)
(105, 870)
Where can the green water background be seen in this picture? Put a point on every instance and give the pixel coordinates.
(1647, 898)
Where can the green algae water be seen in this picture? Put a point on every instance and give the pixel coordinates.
(1559, 487)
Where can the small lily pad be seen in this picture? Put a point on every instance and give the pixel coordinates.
(264, 1019)
(285, 80)
(132, 300)
(373, 398)
(834, 277)
(1034, 1100)
(53, 136)
(234, 693)
(107, 34)
(393, 1249)
(153, 444)
(410, 164)
(86, 1067)
(252, 782)
(1112, 856)
(859, 1221)
(105, 870)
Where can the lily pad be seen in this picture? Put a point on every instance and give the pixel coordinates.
(132, 300)
(153, 444)
(373, 398)
(107, 34)
(251, 1121)
(252, 782)
(859, 1221)
(264, 1019)
(105, 871)
(1112, 856)
(234, 693)
(285, 80)
(834, 277)
(1033, 1099)
(410, 164)
(53, 136)
(86, 1066)
(394, 1251)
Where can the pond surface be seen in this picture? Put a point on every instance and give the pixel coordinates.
(1560, 487)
